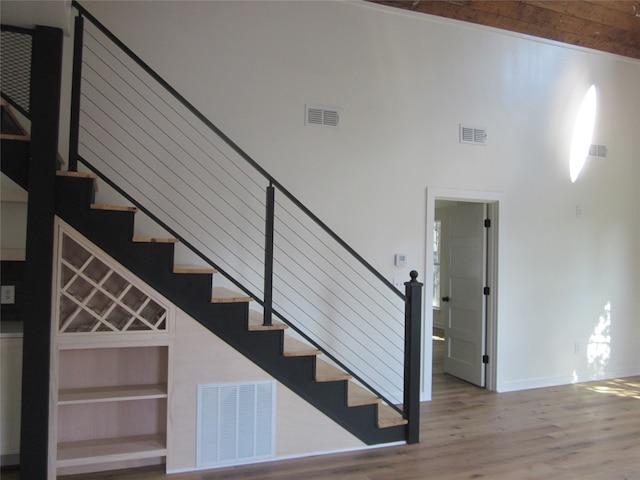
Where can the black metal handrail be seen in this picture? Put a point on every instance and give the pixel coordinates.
(410, 363)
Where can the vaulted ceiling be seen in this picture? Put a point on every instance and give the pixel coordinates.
(606, 25)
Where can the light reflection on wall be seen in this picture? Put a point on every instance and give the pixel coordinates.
(582, 133)
(599, 347)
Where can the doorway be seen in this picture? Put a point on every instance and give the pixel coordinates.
(462, 261)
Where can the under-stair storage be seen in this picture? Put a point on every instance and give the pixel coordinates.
(112, 404)
(110, 363)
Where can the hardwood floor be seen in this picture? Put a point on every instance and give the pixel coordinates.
(582, 431)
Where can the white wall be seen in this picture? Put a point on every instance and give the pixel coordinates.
(403, 83)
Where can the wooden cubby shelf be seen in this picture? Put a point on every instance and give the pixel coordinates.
(117, 393)
(88, 452)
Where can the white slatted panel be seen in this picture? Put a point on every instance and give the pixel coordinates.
(235, 423)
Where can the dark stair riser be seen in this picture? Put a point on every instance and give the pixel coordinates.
(15, 161)
(112, 231)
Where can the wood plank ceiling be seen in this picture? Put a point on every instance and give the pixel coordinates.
(605, 25)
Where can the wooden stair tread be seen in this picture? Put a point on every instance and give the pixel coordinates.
(66, 173)
(224, 295)
(325, 372)
(256, 319)
(115, 208)
(360, 396)
(388, 417)
(11, 136)
(296, 348)
(189, 268)
(154, 240)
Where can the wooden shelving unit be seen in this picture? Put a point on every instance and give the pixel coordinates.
(110, 357)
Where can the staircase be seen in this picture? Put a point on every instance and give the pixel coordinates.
(332, 388)
(224, 312)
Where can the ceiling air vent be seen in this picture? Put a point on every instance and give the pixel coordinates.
(598, 151)
(326, 116)
(474, 135)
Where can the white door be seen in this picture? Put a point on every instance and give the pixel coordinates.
(463, 298)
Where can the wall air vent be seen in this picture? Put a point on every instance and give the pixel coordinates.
(326, 116)
(235, 423)
(598, 151)
(473, 135)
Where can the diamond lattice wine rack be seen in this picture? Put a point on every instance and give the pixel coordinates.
(94, 297)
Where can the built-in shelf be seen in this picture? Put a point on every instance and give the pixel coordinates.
(118, 393)
(110, 372)
(88, 452)
(13, 254)
(16, 195)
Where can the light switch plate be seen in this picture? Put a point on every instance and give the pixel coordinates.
(8, 295)
(400, 259)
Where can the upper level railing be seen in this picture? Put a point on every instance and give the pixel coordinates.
(154, 147)
(15, 67)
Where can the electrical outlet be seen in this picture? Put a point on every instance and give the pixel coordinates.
(8, 295)
(398, 283)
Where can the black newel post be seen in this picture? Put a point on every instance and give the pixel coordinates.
(76, 81)
(268, 256)
(412, 343)
(46, 66)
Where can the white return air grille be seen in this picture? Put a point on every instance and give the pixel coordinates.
(236, 423)
(474, 135)
(327, 116)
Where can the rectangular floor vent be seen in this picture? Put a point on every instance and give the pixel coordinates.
(474, 135)
(326, 116)
(235, 423)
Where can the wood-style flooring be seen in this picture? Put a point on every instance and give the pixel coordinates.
(582, 431)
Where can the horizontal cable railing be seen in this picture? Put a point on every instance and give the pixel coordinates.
(337, 300)
(15, 67)
(167, 158)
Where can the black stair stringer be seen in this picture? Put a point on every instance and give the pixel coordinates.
(298, 373)
(112, 231)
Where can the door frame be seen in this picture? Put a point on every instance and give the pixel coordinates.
(495, 203)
